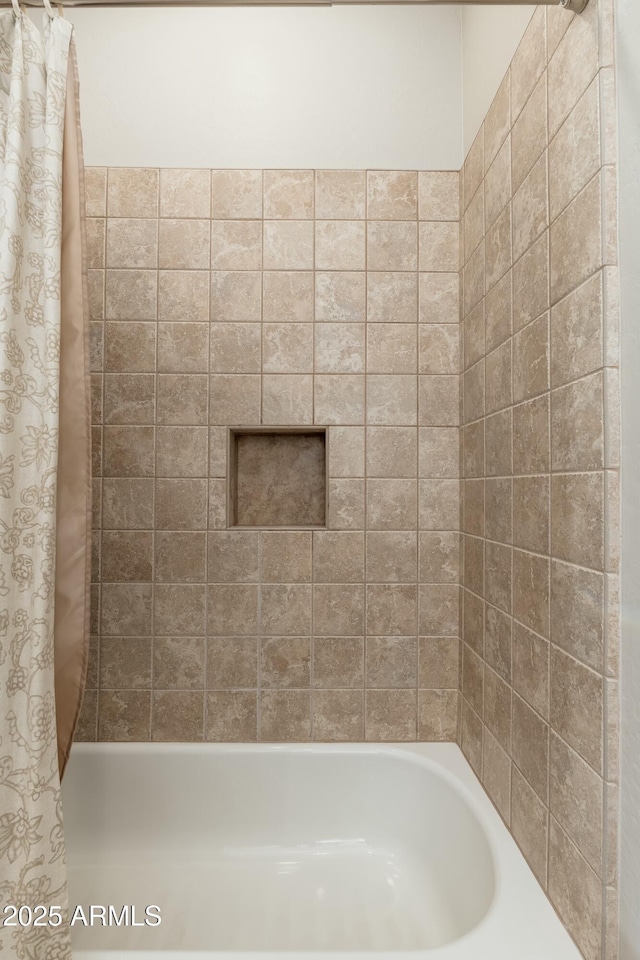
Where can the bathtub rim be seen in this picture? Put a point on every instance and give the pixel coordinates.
(446, 760)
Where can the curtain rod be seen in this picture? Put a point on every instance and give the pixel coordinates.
(576, 6)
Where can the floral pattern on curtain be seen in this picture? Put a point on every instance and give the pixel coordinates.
(33, 85)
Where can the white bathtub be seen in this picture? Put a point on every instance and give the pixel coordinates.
(317, 851)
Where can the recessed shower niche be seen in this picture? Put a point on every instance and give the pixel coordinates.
(277, 478)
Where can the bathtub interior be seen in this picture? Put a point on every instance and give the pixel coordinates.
(258, 849)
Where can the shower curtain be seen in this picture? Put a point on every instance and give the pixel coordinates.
(44, 473)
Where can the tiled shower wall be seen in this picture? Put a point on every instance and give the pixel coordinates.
(540, 463)
(245, 298)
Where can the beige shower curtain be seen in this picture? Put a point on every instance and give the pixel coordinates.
(44, 477)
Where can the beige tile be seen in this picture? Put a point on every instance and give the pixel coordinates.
(438, 610)
(392, 245)
(577, 508)
(438, 195)
(472, 610)
(390, 715)
(391, 611)
(132, 192)
(529, 135)
(87, 728)
(125, 662)
(438, 452)
(572, 68)
(286, 556)
(498, 642)
(127, 555)
(338, 662)
(498, 311)
(576, 892)
(339, 399)
(391, 400)
(529, 824)
(576, 244)
(280, 480)
(392, 348)
(531, 209)
(576, 709)
(576, 333)
(498, 120)
(183, 347)
(181, 504)
(530, 746)
(576, 425)
(95, 185)
(439, 246)
(438, 662)
(340, 194)
(391, 557)
(127, 504)
(96, 345)
(285, 661)
(124, 715)
(285, 715)
(474, 224)
(181, 451)
(472, 556)
(472, 679)
(473, 449)
(498, 510)
(574, 154)
(528, 62)
(498, 374)
(392, 195)
(235, 348)
(183, 245)
(473, 339)
(346, 504)
(217, 452)
(286, 610)
(231, 716)
(182, 399)
(531, 283)
(391, 504)
(185, 193)
(497, 708)
(287, 399)
(339, 348)
(473, 389)
(496, 774)
(232, 662)
(288, 245)
(129, 398)
(131, 294)
(232, 609)
(498, 575)
(530, 668)
(340, 297)
(497, 186)
(392, 451)
(471, 735)
(179, 609)
(132, 244)
(339, 245)
(233, 556)
(474, 166)
(439, 298)
(235, 399)
(439, 349)
(288, 297)
(473, 508)
(531, 509)
(183, 295)
(236, 245)
(178, 662)
(437, 714)
(531, 443)
(577, 599)
(338, 557)
(125, 609)
(96, 237)
(236, 194)
(576, 800)
(288, 194)
(531, 591)
(498, 444)
(473, 277)
(128, 451)
(130, 347)
(236, 297)
(346, 451)
(391, 662)
(499, 248)
(338, 715)
(96, 293)
(178, 715)
(338, 610)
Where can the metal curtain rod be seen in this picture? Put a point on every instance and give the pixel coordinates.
(576, 6)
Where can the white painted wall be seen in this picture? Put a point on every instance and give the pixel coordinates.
(628, 60)
(490, 37)
(361, 86)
